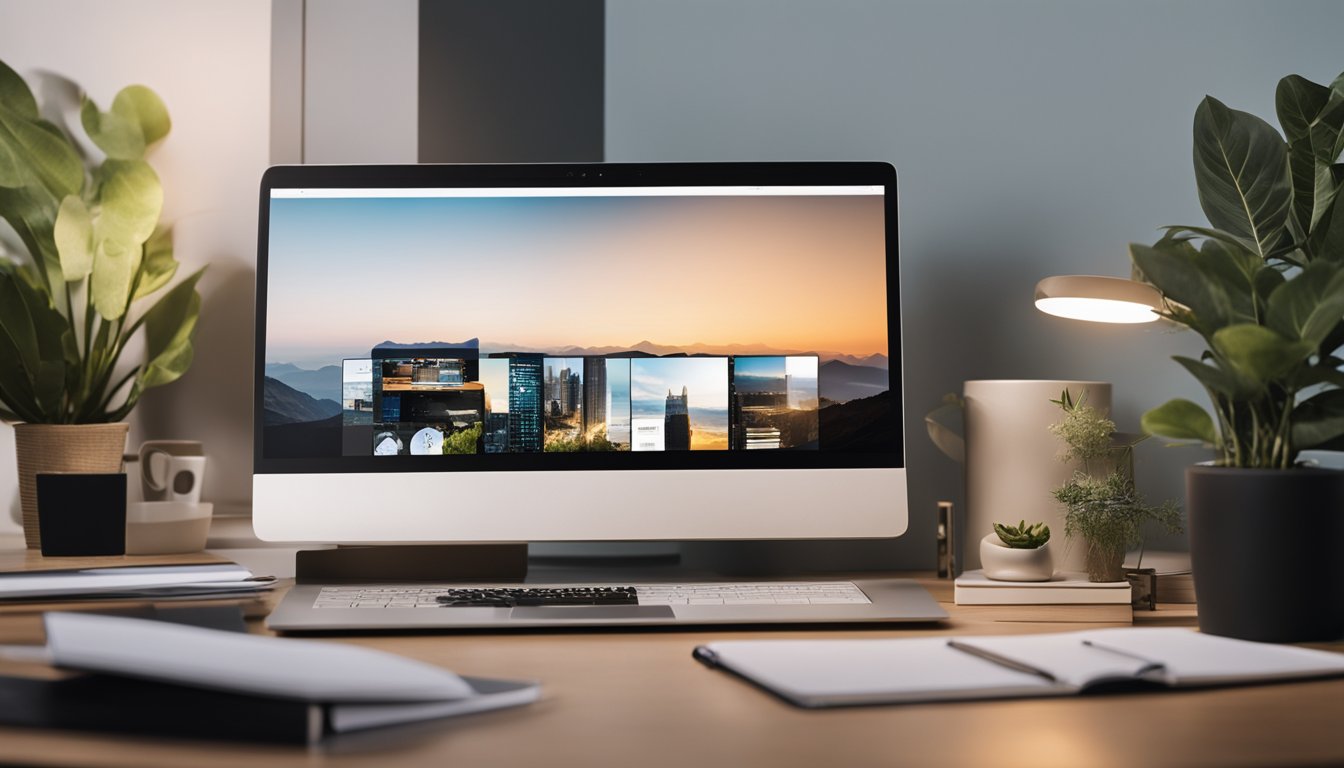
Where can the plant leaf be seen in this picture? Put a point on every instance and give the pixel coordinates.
(36, 346)
(116, 134)
(1326, 241)
(1298, 101)
(16, 389)
(73, 233)
(1173, 267)
(168, 366)
(1179, 419)
(1241, 171)
(1310, 120)
(114, 266)
(1234, 267)
(15, 94)
(31, 211)
(1333, 340)
(1308, 306)
(1217, 380)
(16, 323)
(158, 266)
(42, 153)
(11, 168)
(1267, 281)
(145, 109)
(169, 325)
(1317, 374)
(132, 200)
(1259, 353)
(1318, 419)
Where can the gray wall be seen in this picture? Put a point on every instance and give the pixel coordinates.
(1030, 138)
(510, 81)
(360, 69)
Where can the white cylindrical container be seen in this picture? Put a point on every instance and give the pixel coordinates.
(1013, 460)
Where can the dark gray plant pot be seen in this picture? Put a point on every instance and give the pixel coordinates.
(1267, 552)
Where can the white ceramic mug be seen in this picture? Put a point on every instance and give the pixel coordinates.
(172, 470)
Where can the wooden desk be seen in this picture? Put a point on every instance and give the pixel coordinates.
(621, 698)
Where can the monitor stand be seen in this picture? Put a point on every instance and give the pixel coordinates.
(392, 563)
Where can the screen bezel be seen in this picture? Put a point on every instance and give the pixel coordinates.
(588, 175)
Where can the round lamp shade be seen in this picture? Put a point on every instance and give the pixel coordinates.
(1098, 299)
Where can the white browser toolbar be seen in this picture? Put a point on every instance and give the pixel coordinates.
(723, 191)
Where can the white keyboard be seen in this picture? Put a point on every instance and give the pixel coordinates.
(759, 593)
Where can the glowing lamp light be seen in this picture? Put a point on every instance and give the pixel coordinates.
(1098, 299)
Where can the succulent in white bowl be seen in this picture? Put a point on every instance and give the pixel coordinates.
(1017, 553)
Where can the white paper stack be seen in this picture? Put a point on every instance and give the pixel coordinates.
(1065, 588)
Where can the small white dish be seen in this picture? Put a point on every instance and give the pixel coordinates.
(1004, 563)
(167, 527)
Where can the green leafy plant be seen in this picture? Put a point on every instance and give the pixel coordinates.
(464, 440)
(1103, 506)
(1264, 284)
(1023, 536)
(95, 253)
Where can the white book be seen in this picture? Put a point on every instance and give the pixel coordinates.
(350, 686)
(823, 673)
(1064, 588)
(131, 581)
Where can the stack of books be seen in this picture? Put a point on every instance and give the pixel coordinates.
(1065, 588)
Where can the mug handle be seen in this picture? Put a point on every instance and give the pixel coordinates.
(147, 471)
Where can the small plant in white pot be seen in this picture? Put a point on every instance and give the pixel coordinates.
(1017, 553)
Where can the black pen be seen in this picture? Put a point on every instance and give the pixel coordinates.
(1151, 664)
(1002, 661)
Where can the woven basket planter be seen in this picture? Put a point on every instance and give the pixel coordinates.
(42, 448)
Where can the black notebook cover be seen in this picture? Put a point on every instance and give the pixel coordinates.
(138, 707)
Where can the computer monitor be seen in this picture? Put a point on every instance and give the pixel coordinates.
(597, 352)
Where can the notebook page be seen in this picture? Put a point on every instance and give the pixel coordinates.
(1194, 659)
(1071, 661)
(819, 672)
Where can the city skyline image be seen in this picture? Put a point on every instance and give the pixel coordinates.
(786, 273)
(562, 400)
(657, 388)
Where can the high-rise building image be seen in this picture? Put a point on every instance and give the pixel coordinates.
(677, 422)
(696, 419)
(525, 404)
(496, 433)
(594, 393)
(573, 392)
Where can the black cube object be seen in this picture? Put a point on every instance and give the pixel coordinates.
(82, 514)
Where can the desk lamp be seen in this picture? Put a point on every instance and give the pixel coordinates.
(1098, 299)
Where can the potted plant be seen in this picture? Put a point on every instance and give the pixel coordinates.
(1017, 552)
(1264, 286)
(1103, 507)
(88, 220)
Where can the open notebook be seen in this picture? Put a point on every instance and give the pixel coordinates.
(822, 673)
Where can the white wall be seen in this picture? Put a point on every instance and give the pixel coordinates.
(210, 60)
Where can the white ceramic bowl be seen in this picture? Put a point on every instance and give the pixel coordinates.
(167, 527)
(1004, 563)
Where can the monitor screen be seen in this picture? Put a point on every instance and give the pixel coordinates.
(594, 317)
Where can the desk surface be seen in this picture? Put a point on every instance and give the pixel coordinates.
(637, 699)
